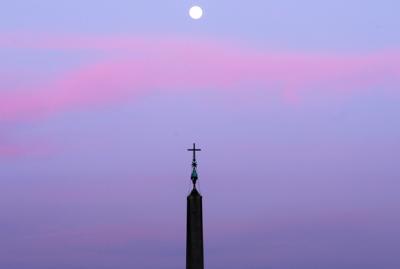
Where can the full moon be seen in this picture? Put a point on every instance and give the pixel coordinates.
(196, 12)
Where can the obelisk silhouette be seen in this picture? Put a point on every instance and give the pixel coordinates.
(194, 227)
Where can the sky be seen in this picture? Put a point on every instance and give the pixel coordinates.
(295, 104)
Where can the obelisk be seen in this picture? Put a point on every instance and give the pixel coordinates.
(194, 227)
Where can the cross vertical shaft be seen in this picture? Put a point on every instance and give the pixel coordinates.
(194, 149)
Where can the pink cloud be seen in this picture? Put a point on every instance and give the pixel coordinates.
(15, 151)
(12, 150)
(134, 67)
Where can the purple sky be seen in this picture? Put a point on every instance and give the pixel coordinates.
(296, 105)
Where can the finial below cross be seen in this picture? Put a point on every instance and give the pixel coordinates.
(194, 149)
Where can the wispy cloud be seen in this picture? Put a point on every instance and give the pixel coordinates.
(10, 150)
(136, 66)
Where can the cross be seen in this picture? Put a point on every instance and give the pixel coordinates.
(194, 151)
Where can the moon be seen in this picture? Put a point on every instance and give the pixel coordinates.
(196, 12)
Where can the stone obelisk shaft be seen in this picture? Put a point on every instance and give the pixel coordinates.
(194, 236)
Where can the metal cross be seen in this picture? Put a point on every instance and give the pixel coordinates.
(194, 149)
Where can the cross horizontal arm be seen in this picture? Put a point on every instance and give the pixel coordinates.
(194, 148)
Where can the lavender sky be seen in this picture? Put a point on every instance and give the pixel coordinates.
(296, 105)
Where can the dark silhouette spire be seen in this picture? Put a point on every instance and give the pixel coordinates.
(194, 228)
